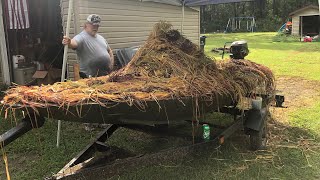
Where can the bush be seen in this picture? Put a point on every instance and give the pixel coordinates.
(282, 37)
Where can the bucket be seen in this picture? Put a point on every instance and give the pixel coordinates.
(16, 60)
(257, 103)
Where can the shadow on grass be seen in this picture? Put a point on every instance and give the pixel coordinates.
(293, 153)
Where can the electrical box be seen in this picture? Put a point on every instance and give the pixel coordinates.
(23, 76)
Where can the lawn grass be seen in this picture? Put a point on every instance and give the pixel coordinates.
(296, 59)
(293, 59)
(35, 155)
(307, 117)
(292, 154)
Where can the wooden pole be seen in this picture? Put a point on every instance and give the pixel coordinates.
(64, 65)
(76, 70)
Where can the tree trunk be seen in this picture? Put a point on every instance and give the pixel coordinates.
(274, 7)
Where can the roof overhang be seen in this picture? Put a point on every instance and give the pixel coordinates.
(304, 8)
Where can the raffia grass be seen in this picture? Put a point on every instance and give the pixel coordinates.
(167, 66)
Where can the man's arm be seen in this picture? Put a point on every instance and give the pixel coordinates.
(111, 57)
(70, 42)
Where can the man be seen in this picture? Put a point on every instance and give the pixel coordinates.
(94, 52)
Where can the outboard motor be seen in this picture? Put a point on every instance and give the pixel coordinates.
(239, 49)
(202, 42)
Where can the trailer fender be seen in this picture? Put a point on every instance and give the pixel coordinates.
(255, 119)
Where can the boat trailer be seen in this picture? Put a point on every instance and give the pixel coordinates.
(252, 121)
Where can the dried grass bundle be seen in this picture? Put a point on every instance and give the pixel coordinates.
(167, 66)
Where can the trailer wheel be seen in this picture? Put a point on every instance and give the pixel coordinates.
(161, 127)
(258, 139)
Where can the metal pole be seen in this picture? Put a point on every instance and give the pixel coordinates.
(248, 25)
(319, 7)
(319, 11)
(227, 26)
(63, 73)
(254, 24)
(3, 52)
(182, 21)
(301, 27)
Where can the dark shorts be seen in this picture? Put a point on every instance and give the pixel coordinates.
(83, 75)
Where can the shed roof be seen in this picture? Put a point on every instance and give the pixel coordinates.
(304, 8)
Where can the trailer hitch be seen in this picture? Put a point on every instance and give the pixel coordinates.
(26, 124)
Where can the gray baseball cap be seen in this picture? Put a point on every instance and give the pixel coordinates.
(94, 19)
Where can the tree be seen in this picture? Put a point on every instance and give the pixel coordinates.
(270, 14)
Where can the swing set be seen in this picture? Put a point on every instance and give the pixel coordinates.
(241, 24)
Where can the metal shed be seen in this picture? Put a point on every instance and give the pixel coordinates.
(306, 21)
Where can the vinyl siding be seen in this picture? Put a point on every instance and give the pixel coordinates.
(295, 25)
(127, 23)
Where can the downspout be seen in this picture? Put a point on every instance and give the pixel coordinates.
(4, 56)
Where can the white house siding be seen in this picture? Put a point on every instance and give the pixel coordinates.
(127, 23)
(296, 19)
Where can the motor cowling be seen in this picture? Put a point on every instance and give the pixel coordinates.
(239, 50)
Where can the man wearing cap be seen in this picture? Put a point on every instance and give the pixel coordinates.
(94, 52)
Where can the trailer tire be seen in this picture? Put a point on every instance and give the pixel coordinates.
(258, 139)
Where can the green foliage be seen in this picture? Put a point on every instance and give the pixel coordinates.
(269, 14)
(281, 37)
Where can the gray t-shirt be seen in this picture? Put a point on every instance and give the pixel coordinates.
(93, 54)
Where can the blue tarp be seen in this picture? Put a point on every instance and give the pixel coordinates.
(191, 3)
(207, 2)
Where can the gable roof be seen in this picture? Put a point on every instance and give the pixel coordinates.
(304, 8)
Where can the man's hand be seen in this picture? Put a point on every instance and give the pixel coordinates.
(66, 40)
(70, 42)
(111, 58)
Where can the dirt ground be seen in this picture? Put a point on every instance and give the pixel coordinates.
(298, 93)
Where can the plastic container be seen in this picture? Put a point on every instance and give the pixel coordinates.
(16, 60)
(256, 103)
